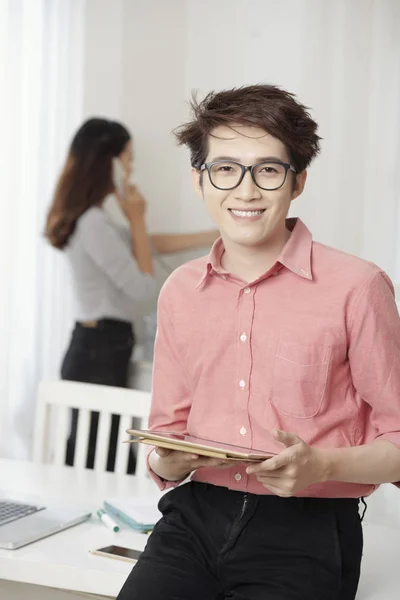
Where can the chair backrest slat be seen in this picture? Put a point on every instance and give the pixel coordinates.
(103, 437)
(61, 434)
(82, 438)
(55, 402)
(121, 461)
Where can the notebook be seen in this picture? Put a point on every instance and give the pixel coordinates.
(140, 513)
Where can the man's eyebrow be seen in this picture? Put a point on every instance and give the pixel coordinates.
(257, 160)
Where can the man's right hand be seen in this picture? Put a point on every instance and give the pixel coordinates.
(174, 465)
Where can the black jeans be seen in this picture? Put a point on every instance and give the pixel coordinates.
(213, 543)
(99, 355)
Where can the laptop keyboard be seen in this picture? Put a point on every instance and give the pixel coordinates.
(11, 511)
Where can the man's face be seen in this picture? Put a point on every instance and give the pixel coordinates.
(247, 215)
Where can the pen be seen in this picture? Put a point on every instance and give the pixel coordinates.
(107, 520)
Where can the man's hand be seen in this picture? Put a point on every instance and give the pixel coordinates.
(292, 470)
(174, 465)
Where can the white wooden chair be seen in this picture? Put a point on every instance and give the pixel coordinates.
(55, 400)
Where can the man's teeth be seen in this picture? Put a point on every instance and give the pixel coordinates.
(247, 213)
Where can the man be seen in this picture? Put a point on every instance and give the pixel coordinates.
(277, 343)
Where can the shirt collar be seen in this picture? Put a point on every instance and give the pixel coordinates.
(295, 255)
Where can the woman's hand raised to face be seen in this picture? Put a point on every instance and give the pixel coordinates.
(133, 203)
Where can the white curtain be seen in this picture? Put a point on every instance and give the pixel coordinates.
(41, 66)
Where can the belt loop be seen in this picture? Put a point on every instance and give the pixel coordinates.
(365, 508)
(89, 324)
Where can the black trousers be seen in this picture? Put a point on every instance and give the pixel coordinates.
(213, 543)
(99, 355)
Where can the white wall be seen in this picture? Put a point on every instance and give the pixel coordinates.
(103, 57)
(153, 101)
(134, 72)
(341, 58)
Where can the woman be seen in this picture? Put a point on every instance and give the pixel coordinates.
(111, 266)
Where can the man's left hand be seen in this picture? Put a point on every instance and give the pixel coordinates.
(292, 470)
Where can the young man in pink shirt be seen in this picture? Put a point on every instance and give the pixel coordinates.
(273, 342)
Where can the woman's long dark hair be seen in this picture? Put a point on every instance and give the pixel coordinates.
(86, 178)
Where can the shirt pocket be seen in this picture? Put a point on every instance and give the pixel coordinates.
(299, 378)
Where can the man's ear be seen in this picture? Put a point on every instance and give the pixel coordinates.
(197, 182)
(300, 182)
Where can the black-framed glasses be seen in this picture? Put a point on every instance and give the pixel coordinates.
(228, 174)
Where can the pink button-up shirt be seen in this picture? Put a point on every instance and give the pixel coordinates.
(311, 347)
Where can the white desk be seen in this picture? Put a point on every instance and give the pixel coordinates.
(63, 561)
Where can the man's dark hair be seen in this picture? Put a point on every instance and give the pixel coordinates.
(265, 106)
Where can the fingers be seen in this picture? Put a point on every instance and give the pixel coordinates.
(191, 461)
(126, 185)
(272, 464)
(163, 452)
(278, 491)
(176, 455)
(278, 474)
(286, 438)
(120, 199)
(294, 447)
(284, 486)
(204, 462)
(225, 465)
(201, 462)
(133, 193)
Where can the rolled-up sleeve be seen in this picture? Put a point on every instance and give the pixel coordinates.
(374, 354)
(110, 252)
(171, 395)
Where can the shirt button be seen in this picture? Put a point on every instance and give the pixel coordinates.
(243, 431)
(243, 337)
(247, 290)
(242, 383)
(238, 477)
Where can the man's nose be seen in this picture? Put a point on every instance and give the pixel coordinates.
(247, 190)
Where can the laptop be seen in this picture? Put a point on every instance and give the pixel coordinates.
(22, 524)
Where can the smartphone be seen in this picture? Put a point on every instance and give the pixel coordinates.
(118, 175)
(118, 553)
